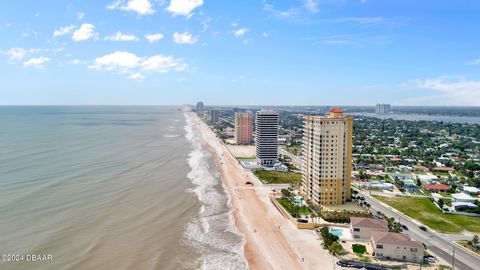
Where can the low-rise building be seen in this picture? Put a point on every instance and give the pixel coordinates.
(362, 228)
(462, 206)
(436, 187)
(471, 190)
(443, 169)
(462, 197)
(396, 246)
(420, 168)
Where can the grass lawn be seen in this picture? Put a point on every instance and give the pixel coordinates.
(292, 167)
(359, 249)
(288, 205)
(274, 177)
(440, 174)
(294, 149)
(464, 243)
(423, 210)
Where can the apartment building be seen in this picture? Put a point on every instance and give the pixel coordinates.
(327, 158)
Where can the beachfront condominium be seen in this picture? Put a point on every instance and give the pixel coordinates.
(243, 127)
(382, 109)
(214, 116)
(266, 137)
(327, 158)
(200, 107)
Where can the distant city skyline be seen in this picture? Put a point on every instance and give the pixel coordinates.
(301, 52)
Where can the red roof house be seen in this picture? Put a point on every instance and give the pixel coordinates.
(436, 187)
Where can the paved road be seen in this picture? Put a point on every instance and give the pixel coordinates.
(296, 160)
(438, 244)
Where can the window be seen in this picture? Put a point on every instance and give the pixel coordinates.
(413, 249)
(356, 229)
(356, 236)
(379, 246)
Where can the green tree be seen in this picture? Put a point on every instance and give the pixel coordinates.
(441, 203)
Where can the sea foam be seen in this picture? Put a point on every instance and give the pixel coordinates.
(212, 232)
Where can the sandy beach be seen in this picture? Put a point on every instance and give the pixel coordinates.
(272, 242)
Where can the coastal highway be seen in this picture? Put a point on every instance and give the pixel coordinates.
(437, 244)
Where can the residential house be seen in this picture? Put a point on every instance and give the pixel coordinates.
(436, 187)
(396, 246)
(471, 190)
(362, 228)
(462, 197)
(462, 206)
(420, 168)
(443, 169)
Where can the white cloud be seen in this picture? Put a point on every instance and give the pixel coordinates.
(63, 30)
(15, 54)
(184, 38)
(450, 92)
(359, 20)
(162, 64)
(119, 60)
(241, 32)
(265, 34)
(183, 7)
(80, 15)
(85, 32)
(152, 38)
(137, 77)
(135, 66)
(119, 36)
(75, 62)
(142, 7)
(291, 13)
(36, 62)
(475, 62)
(311, 5)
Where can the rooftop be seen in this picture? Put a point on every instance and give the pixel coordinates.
(336, 110)
(369, 223)
(462, 196)
(436, 186)
(394, 239)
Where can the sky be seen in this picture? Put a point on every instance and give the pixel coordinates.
(248, 52)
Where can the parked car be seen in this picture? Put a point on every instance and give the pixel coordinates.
(423, 228)
(301, 220)
(405, 227)
(429, 259)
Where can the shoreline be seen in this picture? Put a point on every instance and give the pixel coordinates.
(270, 241)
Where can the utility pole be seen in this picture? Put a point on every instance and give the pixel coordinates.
(453, 258)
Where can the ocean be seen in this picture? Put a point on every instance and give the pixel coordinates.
(111, 187)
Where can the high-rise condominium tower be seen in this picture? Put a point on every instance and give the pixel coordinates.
(266, 137)
(243, 127)
(214, 116)
(327, 158)
(382, 109)
(200, 107)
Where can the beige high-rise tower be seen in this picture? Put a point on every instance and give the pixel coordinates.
(327, 158)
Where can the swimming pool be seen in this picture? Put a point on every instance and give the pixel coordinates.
(337, 232)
